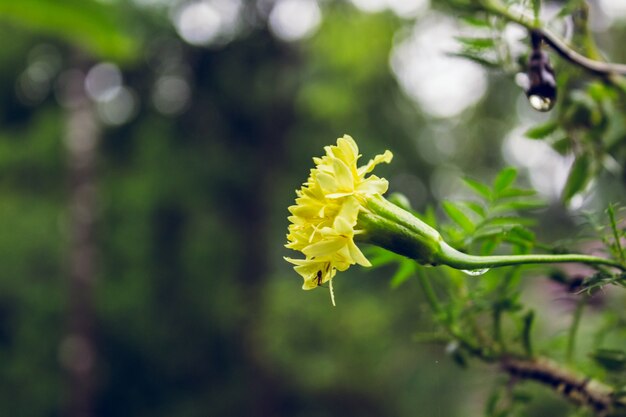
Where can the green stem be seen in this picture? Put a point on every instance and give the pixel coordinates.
(529, 318)
(459, 260)
(573, 330)
(429, 292)
(386, 225)
(616, 236)
(498, 309)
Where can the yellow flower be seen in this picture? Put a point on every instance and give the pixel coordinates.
(324, 217)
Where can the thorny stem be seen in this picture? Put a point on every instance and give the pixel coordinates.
(559, 46)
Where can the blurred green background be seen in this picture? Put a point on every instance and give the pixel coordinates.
(148, 152)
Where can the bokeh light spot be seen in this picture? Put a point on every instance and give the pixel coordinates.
(119, 108)
(171, 95)
(292, 20)
(198, 23)
(103, 81)
(442, 85)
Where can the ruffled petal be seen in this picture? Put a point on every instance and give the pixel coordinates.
(326, 209)
(386, 157)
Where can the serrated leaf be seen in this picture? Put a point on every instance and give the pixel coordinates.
(522, 234)
(517, 205)
(516, 192)
(458, 216)
(509, 221)
(476, 21)
(475, 207)
(494, 230)
(505, 178)
(578, 177)
(476, 43)
(536, 8)
(404, 272)
(542, 131)
(474, 57)
(478, 187)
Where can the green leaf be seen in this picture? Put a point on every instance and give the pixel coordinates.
(478, 187)
(584, 99)
(404, 272)
(516, 192)
(536, 9)
(429, 217)
(542, 131)
(613, 360)
(458, 216)
(509, 221)
(475, 57)
(475, 207)
(489, 246)
(578, 177)
(476, 21)
(476, 43)
(379, 257)
(505, 178)
(562, 145)
(401, 201)
(522, 234)
(517, 205)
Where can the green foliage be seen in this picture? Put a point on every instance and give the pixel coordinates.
(488, 318)
(494, 216)
(587, 122)
(89, 24)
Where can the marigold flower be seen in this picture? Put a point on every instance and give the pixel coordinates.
(325, 215)
(339, 203)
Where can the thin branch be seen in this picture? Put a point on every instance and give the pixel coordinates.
(573, 330)
(595, 67)
(575, 388)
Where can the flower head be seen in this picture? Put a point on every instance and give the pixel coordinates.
(324, 217)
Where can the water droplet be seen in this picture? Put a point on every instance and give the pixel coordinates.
(542, 87)
(475, 272)
(541, 103)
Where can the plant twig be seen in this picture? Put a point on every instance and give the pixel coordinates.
(595, 67)
(573, 329)
(577, 389)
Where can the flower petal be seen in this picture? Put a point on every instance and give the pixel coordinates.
(324, 247)
(386, 157)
